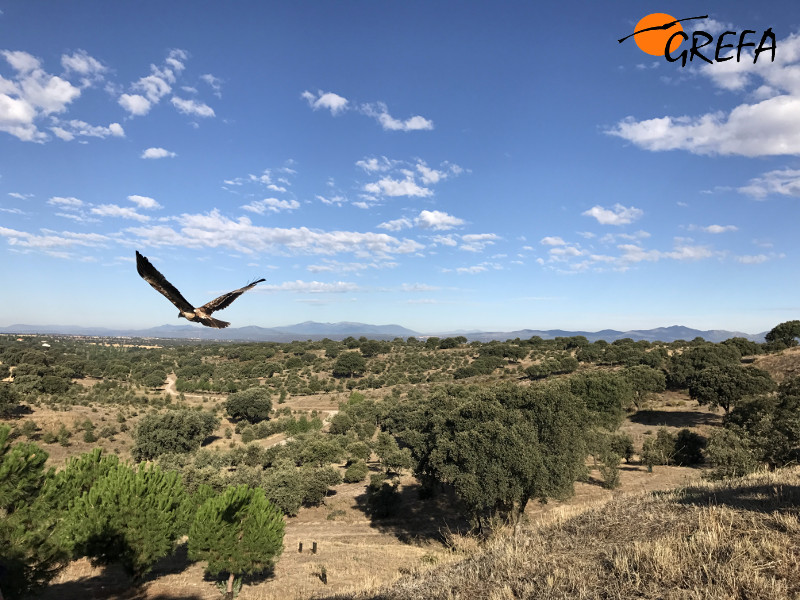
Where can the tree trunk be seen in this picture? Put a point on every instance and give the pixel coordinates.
(229, 590)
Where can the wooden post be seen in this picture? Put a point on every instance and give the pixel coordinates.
(313, 547)
(300, 547)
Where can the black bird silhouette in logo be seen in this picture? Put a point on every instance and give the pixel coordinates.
(200, 314)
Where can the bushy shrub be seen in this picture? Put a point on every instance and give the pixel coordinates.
(357, 471)
(659, 450)
(173, 431)
(689, 448)
(252, 405)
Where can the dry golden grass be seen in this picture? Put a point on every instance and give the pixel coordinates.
(739, 539)
(782, 365)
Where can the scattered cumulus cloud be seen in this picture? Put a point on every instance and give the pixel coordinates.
(154, 153)
(30, 95)
(781, 182)
(757, 259)
(337, 105)
(766, 125)
(720, 228)
(477, 242)
(62, 202)
(122, 212)
(214, 82)
(396, 224)
(333, 102)
(618, 215)
(387, 186)
(437, 220)
(69, 130)
(144, 202)
(380, 112)
(375, 165)
(214, 230)
(311, 287)
(191, 107)
(271, 205)
(551, 241)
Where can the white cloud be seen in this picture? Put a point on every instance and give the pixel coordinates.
(144, 202)
(135, 104)
(445, 240)
(619, 215)
(69, 203)
(123, 212)
(214, 82)
(33, 93)
(52, 239)
(380, 112)
(562, 252)
(81, 63)
(150, 89)
(68, 130)
(477, 242)
(419, 287)
(272, 205)
(373, 165)
(190, 107)
(472, 270)
(311, 287)
(153, 153)
(437, 220)
(720, 228)
(394, 187)
(396, 224)
(213, 230)
(335, 266)
(333, 102)
(332, 201)
(19, 196)
(758, 258)
(783, 182)
(766, 127)
(552, 241)
(433, 176)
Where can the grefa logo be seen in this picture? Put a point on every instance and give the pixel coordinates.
(661, 34)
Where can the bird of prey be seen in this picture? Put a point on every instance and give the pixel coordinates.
(200, 314)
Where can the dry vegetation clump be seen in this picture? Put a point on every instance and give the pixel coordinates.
(782, 365)
(739, 539)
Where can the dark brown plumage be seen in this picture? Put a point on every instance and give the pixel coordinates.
(200, 314)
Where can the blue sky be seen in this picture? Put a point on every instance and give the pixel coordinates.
(439, 165)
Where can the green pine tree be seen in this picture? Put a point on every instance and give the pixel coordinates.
(30, 554)
(237, 532)
(130, 516)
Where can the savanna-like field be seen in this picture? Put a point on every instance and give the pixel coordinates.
(633, 418)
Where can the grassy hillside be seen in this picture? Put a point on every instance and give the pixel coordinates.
(738, 539)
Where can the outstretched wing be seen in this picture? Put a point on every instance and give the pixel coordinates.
(151, 275)
(225, 300)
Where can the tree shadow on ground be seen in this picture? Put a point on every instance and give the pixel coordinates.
(416, 520)
(112, 583)
(19, 411)
(757, 497)
(675, 418)
(251, 579)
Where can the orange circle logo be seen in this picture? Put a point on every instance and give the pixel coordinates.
(653, 31)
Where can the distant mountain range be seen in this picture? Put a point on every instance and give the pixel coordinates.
(310, 330)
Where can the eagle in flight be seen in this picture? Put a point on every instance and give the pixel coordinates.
(200, 314)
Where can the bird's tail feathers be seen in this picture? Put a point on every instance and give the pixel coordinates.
(216, 323)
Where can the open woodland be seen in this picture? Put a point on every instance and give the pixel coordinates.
(431, 468)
